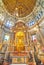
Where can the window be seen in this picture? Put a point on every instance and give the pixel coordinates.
(34, 39)
(39, 15)
(6, 37)
(31, 23)
(9, 24)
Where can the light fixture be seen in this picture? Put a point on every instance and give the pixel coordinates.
(17, 14)
(35, 29)
(16, 11)
(16, 8)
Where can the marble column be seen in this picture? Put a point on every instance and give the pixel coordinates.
(39, 31)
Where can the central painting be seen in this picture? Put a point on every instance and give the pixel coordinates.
(20, 40)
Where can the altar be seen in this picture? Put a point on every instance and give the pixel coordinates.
(18, 64)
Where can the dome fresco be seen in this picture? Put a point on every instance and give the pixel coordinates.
(22, 31)
(20, 8)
